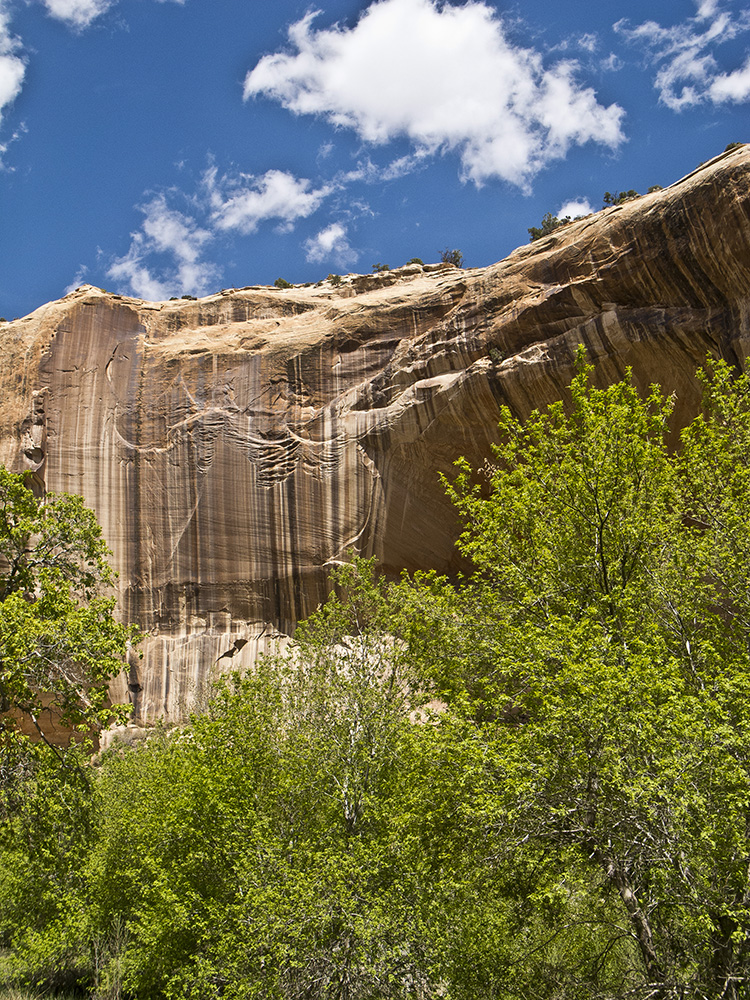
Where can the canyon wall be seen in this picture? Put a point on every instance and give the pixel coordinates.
(236, 447)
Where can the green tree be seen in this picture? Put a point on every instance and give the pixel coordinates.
(598, 659)
(59, 647)
(256, 853)
(549, 224)
(449, 256)
(45, 836)
(60, 644)
(619, 197)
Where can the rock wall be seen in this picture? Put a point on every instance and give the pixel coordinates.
(234, 448)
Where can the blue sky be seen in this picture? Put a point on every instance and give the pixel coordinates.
(169, 147)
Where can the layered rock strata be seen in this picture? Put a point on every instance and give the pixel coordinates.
(235, 447)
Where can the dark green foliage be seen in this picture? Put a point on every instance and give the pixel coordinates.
(190, 298)
(379, 268)
(454, 257)
(619, 197)
(549, 224)
(654, 187)
(282, 283)
(415, 260)
(335, 280)
(733, 145)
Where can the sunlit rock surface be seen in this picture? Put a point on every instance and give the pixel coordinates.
(234, 448)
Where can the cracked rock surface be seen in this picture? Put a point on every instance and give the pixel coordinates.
(235, 447)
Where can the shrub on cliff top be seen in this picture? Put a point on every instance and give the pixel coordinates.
(454, 257)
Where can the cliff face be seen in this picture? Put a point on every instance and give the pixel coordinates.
(237, 446)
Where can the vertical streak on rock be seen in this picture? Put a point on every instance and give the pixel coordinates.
(234, 448)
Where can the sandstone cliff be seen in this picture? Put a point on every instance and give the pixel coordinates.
(237, 446)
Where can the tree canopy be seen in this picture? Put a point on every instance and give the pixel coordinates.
(59, 641)
(600, 651)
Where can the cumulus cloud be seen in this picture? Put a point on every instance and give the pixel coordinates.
(12, 62)
(332, 244)
(176, 241)
(574, 209)
(731, 86)
(447, 78)
(688, 72)
(243, 201)
(77, 14)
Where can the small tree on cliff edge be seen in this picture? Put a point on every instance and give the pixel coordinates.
(449, 256)
(60, 644)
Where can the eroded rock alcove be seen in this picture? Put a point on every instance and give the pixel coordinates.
(237, 446)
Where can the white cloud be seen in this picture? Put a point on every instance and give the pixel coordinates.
(731, 86)
(242, 202)
(612, 63)
(688, 72)
(173, 232)
(12, 63)
(333, 244)
(574, 209)
(588, 42)
(77, 280)
(139, 279)
(77, 14)
(173, 235)
(446, 77)
(168, 253)
(371, 173)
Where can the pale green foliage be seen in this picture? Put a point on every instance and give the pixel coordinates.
(254, 854)
(601, 652)
(59, 647)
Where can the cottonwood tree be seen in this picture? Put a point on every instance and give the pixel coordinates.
(256, 852)
(59, 647)
(60, 644)
(599, 660)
